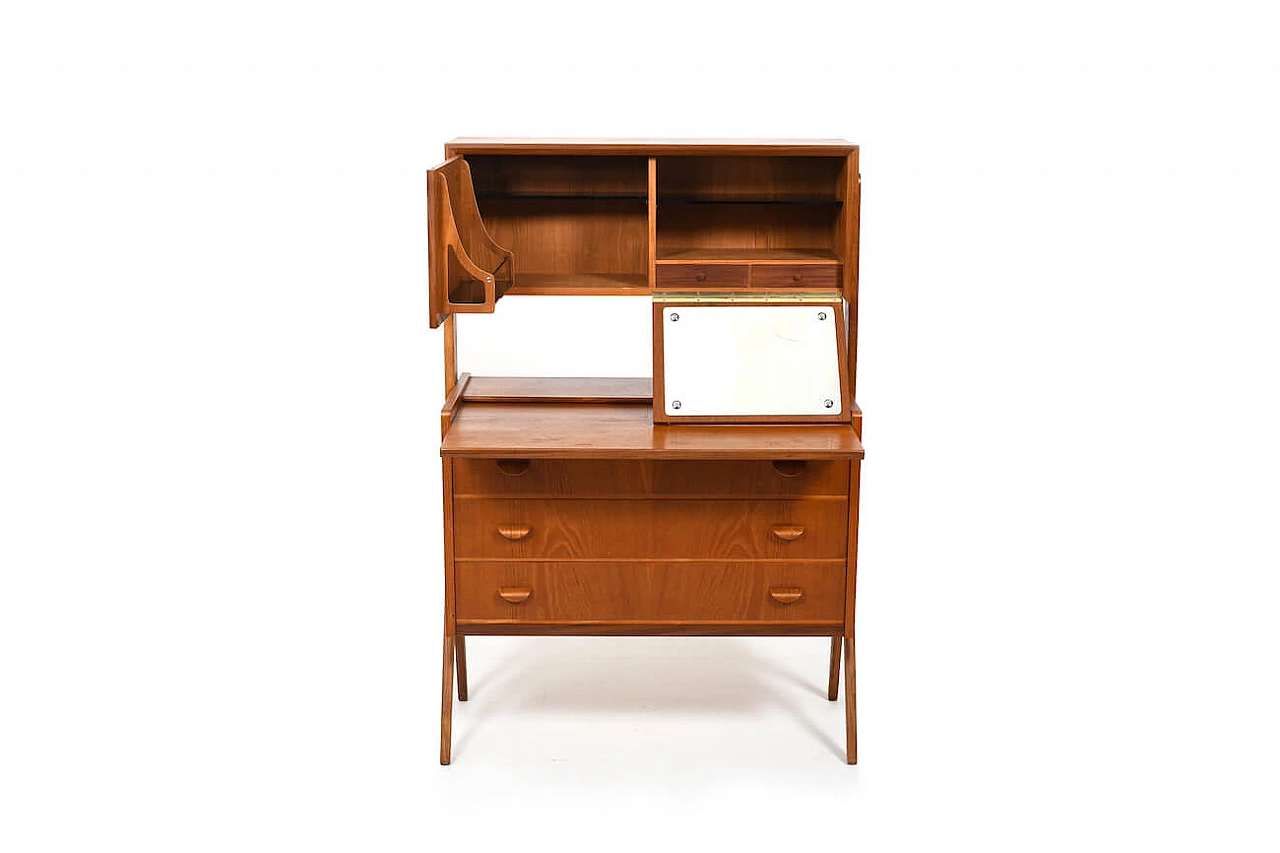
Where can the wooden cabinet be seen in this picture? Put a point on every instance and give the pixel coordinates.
(575, 506)
(626, 217)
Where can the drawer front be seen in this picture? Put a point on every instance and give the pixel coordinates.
(812, 528)
(784, 276)
(781, 478)
(651, 591)
(701, 276)
(560, 478)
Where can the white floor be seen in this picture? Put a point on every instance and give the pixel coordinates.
(730, 738)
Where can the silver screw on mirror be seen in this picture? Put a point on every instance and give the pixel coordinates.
(822, 315)
(675, 404)
(828, 403)
(674, 316)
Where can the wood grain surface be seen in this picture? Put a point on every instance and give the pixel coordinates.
(638, 529)
(701, 277)
(756, 178)
(559, 175)
(793, 276)
(761, 225)
(574, 235)
(833, 676)
(605, 479)
(738, 254)
(647, 628)
(850, 704)
(446, 702)
(697, 592)
(626, 431)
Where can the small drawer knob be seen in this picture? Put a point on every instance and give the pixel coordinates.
(514, 531)
(513, 467)
(786, 594)
(700, 277)
(514, 594)
(787, 532)
(795, 277)
(789, 467)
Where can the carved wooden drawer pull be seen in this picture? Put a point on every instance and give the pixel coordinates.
(514, 594)
(789, 467)
(788, 532)
(513, 467)
(514, 531)
(786, 594)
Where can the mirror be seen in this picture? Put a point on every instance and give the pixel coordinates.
(755, 359)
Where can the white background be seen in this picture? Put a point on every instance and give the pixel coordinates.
(219, 496)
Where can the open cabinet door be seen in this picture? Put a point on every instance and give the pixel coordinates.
(468, 272)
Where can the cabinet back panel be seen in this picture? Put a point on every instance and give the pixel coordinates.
(552, 175)
(759, 178)
(571, 235)
(746, 226)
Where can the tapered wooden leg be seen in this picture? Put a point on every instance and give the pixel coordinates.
(833, 680)
(850, 703)
(446, 704)
(461, 643)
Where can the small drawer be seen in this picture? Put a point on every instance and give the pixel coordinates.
(786, 276)
(550, 478)
(768, 592)
(701, 276)
(756, 479)
(813, 528)
(604, 478)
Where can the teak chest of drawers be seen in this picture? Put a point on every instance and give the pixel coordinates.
(567, 508)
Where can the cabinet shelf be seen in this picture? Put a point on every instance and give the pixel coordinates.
(569, 197)
(753, 199)
(602, 225)
(580, 284)
(748, 255)
(662, 199)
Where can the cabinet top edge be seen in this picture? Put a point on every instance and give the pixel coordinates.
(641, 146)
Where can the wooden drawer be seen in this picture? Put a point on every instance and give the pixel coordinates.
(785, 276)
(599, 478)
(812, 528)
(651, 591)
(701, 276)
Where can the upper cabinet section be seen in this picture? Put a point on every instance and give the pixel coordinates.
(576, 225)
(749, 179)
(749, 223)
(558, 176)
(628, 217)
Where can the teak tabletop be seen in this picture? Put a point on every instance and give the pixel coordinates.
(627, 431)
